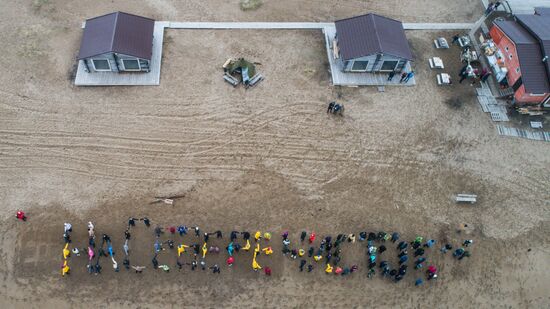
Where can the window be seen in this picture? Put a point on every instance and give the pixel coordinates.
(131, 64)
(389, 65)
(517, 70)
(510, 56)
(359, 66)
(101, 65)
(506, 48)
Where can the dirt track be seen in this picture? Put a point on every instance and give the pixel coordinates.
(267, 158)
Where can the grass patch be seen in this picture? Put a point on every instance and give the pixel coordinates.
(248, 5)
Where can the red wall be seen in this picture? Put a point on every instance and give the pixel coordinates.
(512, 64)
(503, 43)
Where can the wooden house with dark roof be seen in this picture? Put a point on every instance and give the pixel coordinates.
(372, 43)
(117, 42)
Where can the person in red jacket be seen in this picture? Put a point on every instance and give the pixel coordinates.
(267, 271)
(21, 216)
(311, 238)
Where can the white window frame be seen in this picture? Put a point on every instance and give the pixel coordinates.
(537, 94)
(366, 67)
(396, 64)
(100, 70)
(124, 66)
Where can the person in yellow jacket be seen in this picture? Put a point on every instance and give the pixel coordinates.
(267, 236)
(255, 264)
(328, 269)
(181, 249)
(65, 269)
(258, 235)
(204, 250)
(247, 246)
(317, 258)
(301, 252)
(257, 249)
(66, 251)
(267, 250)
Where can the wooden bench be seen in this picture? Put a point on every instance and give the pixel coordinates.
(466, 198)
(443, 79)
(255, 79)
(230, 79)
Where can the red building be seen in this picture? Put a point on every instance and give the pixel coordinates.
(524, 49)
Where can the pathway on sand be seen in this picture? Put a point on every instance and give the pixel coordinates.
(304, 25)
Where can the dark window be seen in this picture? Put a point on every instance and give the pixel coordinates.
(101, 65)
(131, 64)
(359, 65)
(389, 65)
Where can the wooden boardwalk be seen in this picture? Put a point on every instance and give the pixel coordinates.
(151, 78)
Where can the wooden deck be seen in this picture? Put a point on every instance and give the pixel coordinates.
(151, 78)
(340, 78)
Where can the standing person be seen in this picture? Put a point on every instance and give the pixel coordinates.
(303, 236)
(390, 77)
(218, 234)
(418, 282)
(146, 221)
(402, 245)
(21, 215)
(127, 234)
(463, 77)
(446, 248)
(429, 243)
(67, 227)
(394, 236)
(267, 271)
(330, 107)
(172, 229)
(489, 9)
(302, 264)
(311, 238)
(455, 38)
(467, 242)
(409, 76)
(403, 76)
(485, 76)
(182, 229)
(403, 259)
(230, 260)
(215, 269)
(197, 231)
(131, 222)
(419, 252)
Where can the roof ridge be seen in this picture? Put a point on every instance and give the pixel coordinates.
(114, 31)
(378, 42)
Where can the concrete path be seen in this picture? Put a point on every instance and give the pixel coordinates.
(305, 25)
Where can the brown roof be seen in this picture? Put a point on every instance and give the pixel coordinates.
(533, 70)
(118, 32)
(371, 34)
(539, 27)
